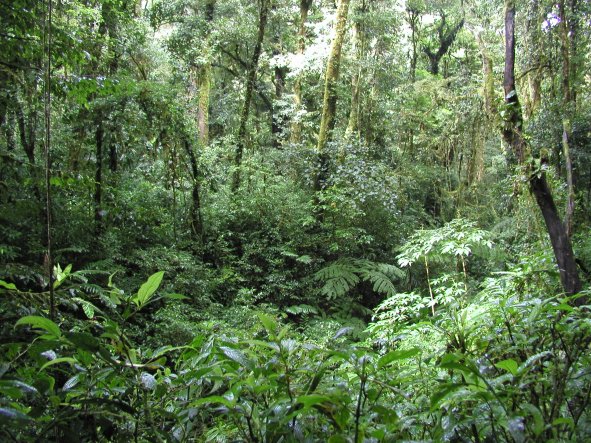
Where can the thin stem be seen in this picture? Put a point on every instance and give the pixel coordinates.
(47, 146)
(429, 284)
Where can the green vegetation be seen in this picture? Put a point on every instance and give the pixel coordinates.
(294, 221)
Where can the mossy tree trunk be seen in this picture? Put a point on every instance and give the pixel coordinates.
(279, 73)
(250, 84)
(445, 37)
(538, 184)
(567, 108)
(329, 105)
(204, 82)
(533, 45)
(296, 125)
(359, 49)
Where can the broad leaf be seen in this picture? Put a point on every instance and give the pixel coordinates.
(213, 399)
(148, 289)
(58, 361)
(11, 286)
(269, 323)
(400, 354)
(237, 356)
(508, 365)
(311, 400)
(40, 323)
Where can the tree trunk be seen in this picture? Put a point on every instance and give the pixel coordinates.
(98, 178)
(359, 45)
(204, 82)
(112, 156)
(296, 125)
(27, 131)
(533, 37)
(204, 85)
(567, 106)
(446, 38)
(250, 83)
(488, 86)
(413, 17)
(538, 185)
(329, 106)
(195, 215)
(279, 80)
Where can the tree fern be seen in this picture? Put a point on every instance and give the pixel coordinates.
(343, 275)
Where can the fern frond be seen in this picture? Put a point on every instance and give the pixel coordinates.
(301, 309)
(343, 275)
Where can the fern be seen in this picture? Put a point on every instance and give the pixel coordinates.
(340, 277)
(344, 274)
(302, 309)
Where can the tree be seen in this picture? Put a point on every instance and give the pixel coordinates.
(446, 35)
(331, 76)
(250, 85)
(538, 185)
(296, 126)
(359, 39)
(204, 79)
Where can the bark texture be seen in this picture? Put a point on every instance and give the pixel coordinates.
(296, 126)
(359, 49)
(567, 106)
(329, 105)
(204, 82)
(538, 185)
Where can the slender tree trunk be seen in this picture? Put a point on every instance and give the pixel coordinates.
(204, 85)
(250, 83)
(4, 97)
(573, 35)
(27, 126)
(98, 177)
(204, 82)
(196, 216)
(533, 32)
(488, 78)
(112, 155)
(413, 17)
(359, 44)
(567, 106)
(279, 80)
(538, 185)
(296, 125)
(329, 106)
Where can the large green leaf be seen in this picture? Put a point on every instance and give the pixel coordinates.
(84, 341)
(40, 323)
(57, 361)
(11, 286)
(509, 365)
(538, 419)
(399, 354)
(312, 400)
(237, 356)
(148, 289)
(269, 323)
(444, 391)
(213, 399)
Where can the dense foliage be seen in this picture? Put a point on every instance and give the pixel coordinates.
(295, 220)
